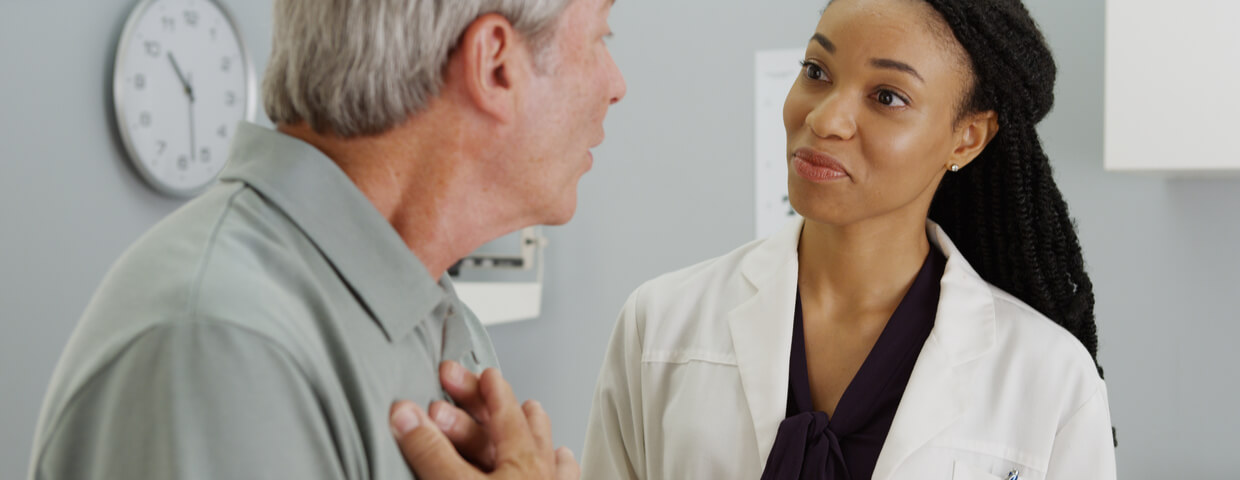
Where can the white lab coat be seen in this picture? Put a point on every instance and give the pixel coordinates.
(695, 380)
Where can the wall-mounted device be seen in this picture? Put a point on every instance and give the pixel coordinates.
(497, 302)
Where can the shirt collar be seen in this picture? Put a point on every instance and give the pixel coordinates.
(343, 224)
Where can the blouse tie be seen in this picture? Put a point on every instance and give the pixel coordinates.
(806, 447)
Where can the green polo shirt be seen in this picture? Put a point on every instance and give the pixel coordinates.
(261, 331)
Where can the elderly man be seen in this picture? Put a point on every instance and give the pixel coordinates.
(265, 329)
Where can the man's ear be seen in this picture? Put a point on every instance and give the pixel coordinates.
(492, 66)
(973, 133)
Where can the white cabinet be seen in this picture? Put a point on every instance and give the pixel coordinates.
(1173, 86)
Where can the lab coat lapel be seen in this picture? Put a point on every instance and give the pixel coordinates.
(932, 401)
(964, 329)
(761, 328)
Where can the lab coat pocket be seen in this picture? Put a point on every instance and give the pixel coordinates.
(965, 471)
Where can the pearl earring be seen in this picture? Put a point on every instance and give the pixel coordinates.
(955, 168)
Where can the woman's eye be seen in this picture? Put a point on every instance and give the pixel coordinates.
(890, 99)
(814, 72)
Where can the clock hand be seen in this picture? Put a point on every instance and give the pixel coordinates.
(192, 146)
(189, 90)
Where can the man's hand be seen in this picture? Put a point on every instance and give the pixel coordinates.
(520, 438)
(463, 425)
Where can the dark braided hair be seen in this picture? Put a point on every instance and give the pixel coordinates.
(1004, 210)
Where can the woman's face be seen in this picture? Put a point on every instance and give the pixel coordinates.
(871, 120)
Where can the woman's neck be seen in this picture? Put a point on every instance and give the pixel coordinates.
(866, 266)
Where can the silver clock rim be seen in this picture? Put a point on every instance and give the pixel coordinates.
(118, 95)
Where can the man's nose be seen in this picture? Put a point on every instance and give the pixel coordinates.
(618, 86)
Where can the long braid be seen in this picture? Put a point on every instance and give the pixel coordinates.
(1004, 208)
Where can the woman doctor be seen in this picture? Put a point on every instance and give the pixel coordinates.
(929, 318)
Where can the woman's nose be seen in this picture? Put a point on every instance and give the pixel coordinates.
(833, 117)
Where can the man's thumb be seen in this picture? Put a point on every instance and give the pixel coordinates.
(427, 451)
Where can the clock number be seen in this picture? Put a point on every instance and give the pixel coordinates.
(223, 131)
(230, 98)
(162, 146)
(170, 24)
(153, 49)
(139, 81)
(144, 119)
(225, 64)
(191, 18)
(204, 155)
(212, 34)
(183, 163)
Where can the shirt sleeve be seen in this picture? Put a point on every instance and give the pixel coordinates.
(193, 400)
(1084, 447)
(615, 443)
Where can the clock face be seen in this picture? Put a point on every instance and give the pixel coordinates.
(182, 82)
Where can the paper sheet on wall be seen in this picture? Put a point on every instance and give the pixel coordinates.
(776, 71)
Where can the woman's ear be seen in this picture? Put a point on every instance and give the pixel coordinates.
(973, 133)
(490, 62)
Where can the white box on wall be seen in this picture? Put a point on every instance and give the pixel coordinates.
(775, 72)
(1172, 86)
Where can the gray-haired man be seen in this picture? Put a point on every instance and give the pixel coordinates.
(265, 329)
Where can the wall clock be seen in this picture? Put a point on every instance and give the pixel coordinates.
(182, 81)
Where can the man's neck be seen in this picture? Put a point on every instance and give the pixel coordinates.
(420, 177)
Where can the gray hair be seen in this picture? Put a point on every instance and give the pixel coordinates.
(362, 67)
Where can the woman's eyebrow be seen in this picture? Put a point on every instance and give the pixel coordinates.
(822, 40)
(897, 65)
(884, 63)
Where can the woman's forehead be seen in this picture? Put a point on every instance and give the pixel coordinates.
(909, 31)
(911, 19)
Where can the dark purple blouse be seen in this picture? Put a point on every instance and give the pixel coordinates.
(811, 446)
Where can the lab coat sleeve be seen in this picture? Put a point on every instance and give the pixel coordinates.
(615, 439)
(1084, 446)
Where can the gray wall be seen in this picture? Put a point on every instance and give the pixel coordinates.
(70, 202)
(672, 186)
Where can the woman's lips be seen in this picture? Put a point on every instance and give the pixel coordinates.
(817, 166)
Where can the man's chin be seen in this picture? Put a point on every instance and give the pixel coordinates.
(562, 213)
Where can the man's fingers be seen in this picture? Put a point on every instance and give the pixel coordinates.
(427, 451)
(540, 424)
(462, 385)
(513, 438)
(566, 467)
(508, 429)
(468, 436)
